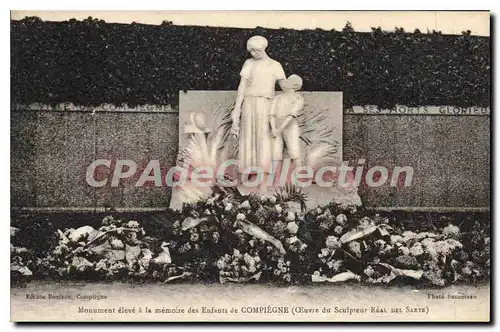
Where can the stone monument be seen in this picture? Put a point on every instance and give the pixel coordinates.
(260, 140)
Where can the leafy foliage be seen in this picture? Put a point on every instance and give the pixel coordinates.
(91, 62)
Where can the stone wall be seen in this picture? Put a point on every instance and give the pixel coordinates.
(52, 148)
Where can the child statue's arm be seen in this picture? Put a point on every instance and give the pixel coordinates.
(293, 114)
(285, 123)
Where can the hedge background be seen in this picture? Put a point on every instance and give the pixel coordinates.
(93, 62)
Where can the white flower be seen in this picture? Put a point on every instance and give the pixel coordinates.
(245, 205)
(416, 249)
(100, 265)
(221, 264)
(369, 271)
(272, 199)
(240, 216)
(249, 260)
(424, 235)
(117, 244)
(228, 207)
(332, 242)
(386, 249)
(467, 271)
(355, 248)
(341, 219)
(292, 228)
(405, 251)
(447, 246)
(343, 206)
(451, 230)
(215, 237)
(366, 221)
(396, 239)
(290, 216)
(278, 208)
(430, 247)
(207, 212)
(236, 253)
(133, 224)
(408, 235)
(325, 252)
(60, 249)
(338, 229)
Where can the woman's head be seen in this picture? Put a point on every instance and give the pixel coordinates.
(257, 46)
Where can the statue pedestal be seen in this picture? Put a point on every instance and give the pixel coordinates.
(317, 196)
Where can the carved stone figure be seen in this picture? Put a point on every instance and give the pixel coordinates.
(253, 102)
(271, 134)
(283, 115)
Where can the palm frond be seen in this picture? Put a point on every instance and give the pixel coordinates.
(204, 151)
(321, 147)
(220, 124)
(310, 133)
(292, 193)
(195, 153)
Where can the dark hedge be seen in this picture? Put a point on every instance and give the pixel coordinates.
(92, 62)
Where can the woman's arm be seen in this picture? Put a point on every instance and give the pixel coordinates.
(241, 92)
(235, 114)
(239, 100)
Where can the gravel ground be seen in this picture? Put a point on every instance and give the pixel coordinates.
(51, 301)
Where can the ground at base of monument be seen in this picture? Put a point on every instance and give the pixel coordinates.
(316, 195)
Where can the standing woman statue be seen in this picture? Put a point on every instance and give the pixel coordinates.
(253, 102)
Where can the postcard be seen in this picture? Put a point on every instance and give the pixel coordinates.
(287, 166)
